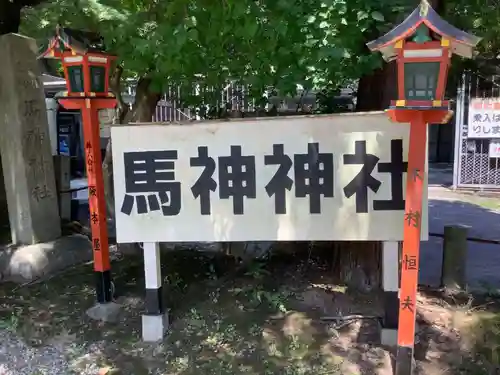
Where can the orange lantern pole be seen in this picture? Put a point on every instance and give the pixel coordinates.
(86, 69)
(422, 46)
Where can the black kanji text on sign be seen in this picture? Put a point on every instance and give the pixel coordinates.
(280, 181)
(396, 167)
(313, 173)
(150, 175)
(364, 180)
(313, 176)
(237, 178)
(205, 183)
(150, 183)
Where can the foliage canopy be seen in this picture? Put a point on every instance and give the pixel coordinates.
(278, 43)
(319, 44)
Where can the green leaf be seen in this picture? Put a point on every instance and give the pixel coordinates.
(362, 15)
(377, 16)
(320, 42)
(251, 29)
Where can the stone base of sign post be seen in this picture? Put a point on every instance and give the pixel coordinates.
(155, 318)
(154, 327)
(390, 286)
(28, 169)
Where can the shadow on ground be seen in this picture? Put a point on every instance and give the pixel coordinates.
(264, 320)
(463, 330)
(483, 260)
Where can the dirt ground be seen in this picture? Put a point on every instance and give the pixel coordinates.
(266, 319)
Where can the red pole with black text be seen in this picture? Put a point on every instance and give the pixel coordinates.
(415, 181)
(411, 244)
(89, 108)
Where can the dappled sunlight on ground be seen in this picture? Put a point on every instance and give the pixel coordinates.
(274, 318)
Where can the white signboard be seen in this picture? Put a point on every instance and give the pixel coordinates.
(285, 179)
(484, 118)
(494, 149)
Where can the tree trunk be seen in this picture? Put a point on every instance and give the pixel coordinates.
(142, 111)
(358, 264)
(375, 91)
(10, 16)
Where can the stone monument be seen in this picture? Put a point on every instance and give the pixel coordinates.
(27, 164)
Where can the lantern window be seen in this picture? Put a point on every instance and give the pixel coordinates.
(75, 76)
(97, 78)
(421, 80)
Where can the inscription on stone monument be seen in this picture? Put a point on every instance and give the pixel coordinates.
(38, 164)
(25, 147)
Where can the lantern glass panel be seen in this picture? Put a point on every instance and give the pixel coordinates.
(75, 77)
(97, 78)
(421, 80)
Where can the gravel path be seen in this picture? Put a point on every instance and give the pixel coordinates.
(17, 358)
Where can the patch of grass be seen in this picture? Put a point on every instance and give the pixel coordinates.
(488, 203)
(476, 317)
(489, 290)
(9, 322)
(482, 336)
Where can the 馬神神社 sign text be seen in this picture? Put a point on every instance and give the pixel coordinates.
(338, 177)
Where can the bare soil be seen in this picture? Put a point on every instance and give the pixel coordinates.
(268, 318)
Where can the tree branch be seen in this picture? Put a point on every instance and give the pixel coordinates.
(145, 101)
(116, 89)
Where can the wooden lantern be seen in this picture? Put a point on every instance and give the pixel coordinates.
(422, 46)
(86, 66)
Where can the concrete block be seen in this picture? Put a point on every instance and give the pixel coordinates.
(154, 327)
(389, 337)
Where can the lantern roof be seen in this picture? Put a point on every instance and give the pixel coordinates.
(461, 43)
(77, 41)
